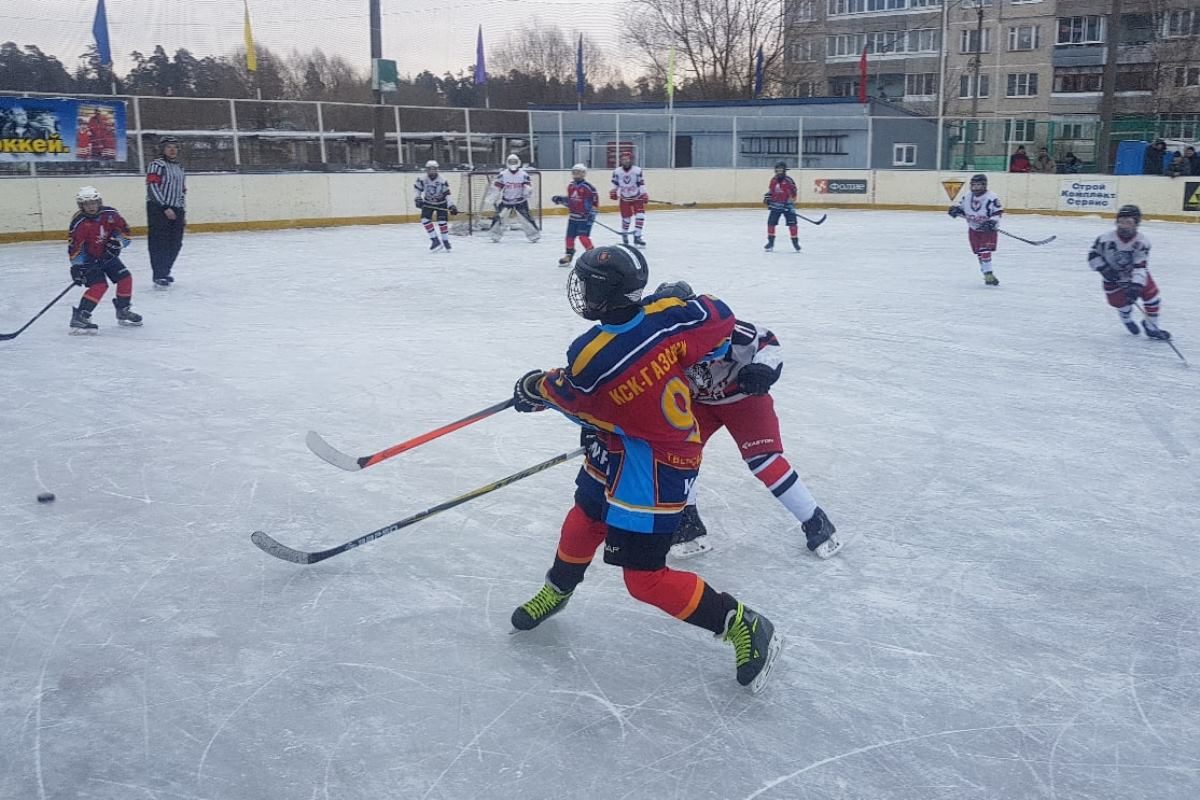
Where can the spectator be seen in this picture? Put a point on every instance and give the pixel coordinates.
(165, 193)
(1178, 166)
(1071, 165)
(1044, 163)
(1193, 161)
(1153, 162)
(1019, 162)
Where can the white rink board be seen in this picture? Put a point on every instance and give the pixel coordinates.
(1017, 620)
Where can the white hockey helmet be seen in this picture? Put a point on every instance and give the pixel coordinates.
(513, 161)
(87, 194)
(431, 164)
(579, 168)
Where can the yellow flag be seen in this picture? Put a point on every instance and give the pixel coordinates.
(251, 55)
(671, 75)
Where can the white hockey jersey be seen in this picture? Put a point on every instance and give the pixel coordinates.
(434, 191)
(715, 382)
(511, 187)
(979, 209)
(629, 183)
(1130, 260)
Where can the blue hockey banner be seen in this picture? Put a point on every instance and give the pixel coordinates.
(61, 131)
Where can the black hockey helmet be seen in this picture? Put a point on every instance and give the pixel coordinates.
(1130, 210)
(780, 165)
(979, 179)
(680, 289)
(606, 279)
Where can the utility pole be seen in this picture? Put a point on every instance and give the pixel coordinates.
(1108, 89)
(378, 148)
(976, 67)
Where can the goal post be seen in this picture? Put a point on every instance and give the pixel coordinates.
(475, 213)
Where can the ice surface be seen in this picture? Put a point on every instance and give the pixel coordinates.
(1019, 618)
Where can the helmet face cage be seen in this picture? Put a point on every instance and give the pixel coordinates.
(597, 279)
(780, 167)
(513, 161)
(979, 184)
(86, 196)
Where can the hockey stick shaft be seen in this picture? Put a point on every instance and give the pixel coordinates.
(669, 203)
(327, 452)
(285, 553)
(799, 216)
(1034, 242)
(4, 337)
(1168, 341)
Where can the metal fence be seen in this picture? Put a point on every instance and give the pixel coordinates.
(221, 135)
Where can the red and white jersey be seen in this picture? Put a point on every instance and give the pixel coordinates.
(514, 186)
(1130, 259)
(714, 382)
(435, 190)
(629, 183)
(978, 209)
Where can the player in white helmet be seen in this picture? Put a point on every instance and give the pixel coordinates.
(509, 194)
(629, 188)
(97, 235)
(434, 200)
(582, 202)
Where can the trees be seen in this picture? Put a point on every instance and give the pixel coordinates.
(548, 53)
(28, 69)
(715, 42)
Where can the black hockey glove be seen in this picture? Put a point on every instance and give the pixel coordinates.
(757, 378)
(1110, 274)
(453, 210)
(420, 203)
(767, 199)
(956, 211)
(558, 200)
(680, 289)
(112, 249)
(988, 225)
(79, 274)
(526, 397)
(1133, 292)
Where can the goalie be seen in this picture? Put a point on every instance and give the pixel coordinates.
(509, 194)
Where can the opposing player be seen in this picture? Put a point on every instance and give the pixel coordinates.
(435, 201)
(509, 194)
(780, 198)
(625, 379)
(629, 188)
(1122, 257)
(97, 235)
(732, 391)
(582, 202)
(982, 210)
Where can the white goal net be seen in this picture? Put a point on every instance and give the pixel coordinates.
(475, 214)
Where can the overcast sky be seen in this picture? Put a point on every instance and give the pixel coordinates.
(418, 34)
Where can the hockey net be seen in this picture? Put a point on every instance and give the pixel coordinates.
(475, 213)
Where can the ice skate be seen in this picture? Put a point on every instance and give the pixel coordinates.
(796, 245)
(823, 541)
(434, 245)
(162, 283)
(1153, 331)
(545, 604)
(638, 240)
(565, 261)
(1130, 325)
(691, 537)
(446, 244)
(126, 315)
(990, 279)
(755, 645)
(81, 323)
(770, 245)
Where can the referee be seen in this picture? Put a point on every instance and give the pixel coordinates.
(165, 192)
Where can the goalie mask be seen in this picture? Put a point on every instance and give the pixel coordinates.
(513, 162)
(606, 279)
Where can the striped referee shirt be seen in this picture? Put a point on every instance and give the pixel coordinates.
(165, 183)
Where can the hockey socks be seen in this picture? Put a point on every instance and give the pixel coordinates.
(777, 475)
(683, 595)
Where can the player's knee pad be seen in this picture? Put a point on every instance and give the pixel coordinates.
(636, 551)
(677, 593)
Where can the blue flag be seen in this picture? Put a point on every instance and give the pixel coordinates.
(100, 31)
(480, 69)
(758, 72)
(580, 82)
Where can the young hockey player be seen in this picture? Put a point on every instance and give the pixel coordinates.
(626, 380)
(1122, 257)
(434, 199)
(583, 202)
(781, 199)
(732, 392)
(629, 187)
(509, 194)
(982, 210)
(96, 237)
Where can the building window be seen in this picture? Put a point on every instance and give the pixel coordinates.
(1181, 22)
(802, 51)
(1023, 37)
(1180, 126)
(976, 131)
(825, 145)
(1081, 30)
(843, 44)
(804, 10)
(968, 41)
(964, 86)
(904, 155)
(1072, 131)
(1019, 131)
(1022, 84)
(805, 89)
(1135, 79)
(920, 84)
(1137, 29)
(1075, 80)
(842, 7)
(1187, 76)
(843, 87)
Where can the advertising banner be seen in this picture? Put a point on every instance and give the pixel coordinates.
(839, 186)
(61, 131)
(1191, 196)
(1088, 196)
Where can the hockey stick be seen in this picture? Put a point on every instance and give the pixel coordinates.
(324, 450)
(669, 203)
(800, 216)
(4, 337)
(1168, 341)
(280, 551)
(1034, 242)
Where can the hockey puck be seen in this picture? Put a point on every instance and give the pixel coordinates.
(46, 497)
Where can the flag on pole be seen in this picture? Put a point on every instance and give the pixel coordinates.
(580, 82)
(862, 76)
(248, 35)
(100, 32)
(480, 69)
(758, 73)
(671, 77)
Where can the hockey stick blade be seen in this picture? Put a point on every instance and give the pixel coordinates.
(327, 452)
(268, 545)
(814, 221)
(1034, 242)
(4, 337)
(1176, 349)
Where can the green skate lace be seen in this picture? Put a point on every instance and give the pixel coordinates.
(545, 601)
(739, 635)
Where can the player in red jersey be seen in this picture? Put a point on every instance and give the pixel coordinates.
(626, 379)
(98, 233)
(780, 197)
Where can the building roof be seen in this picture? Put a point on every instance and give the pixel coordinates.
(686, 104)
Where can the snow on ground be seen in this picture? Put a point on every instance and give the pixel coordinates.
(1017, 620)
